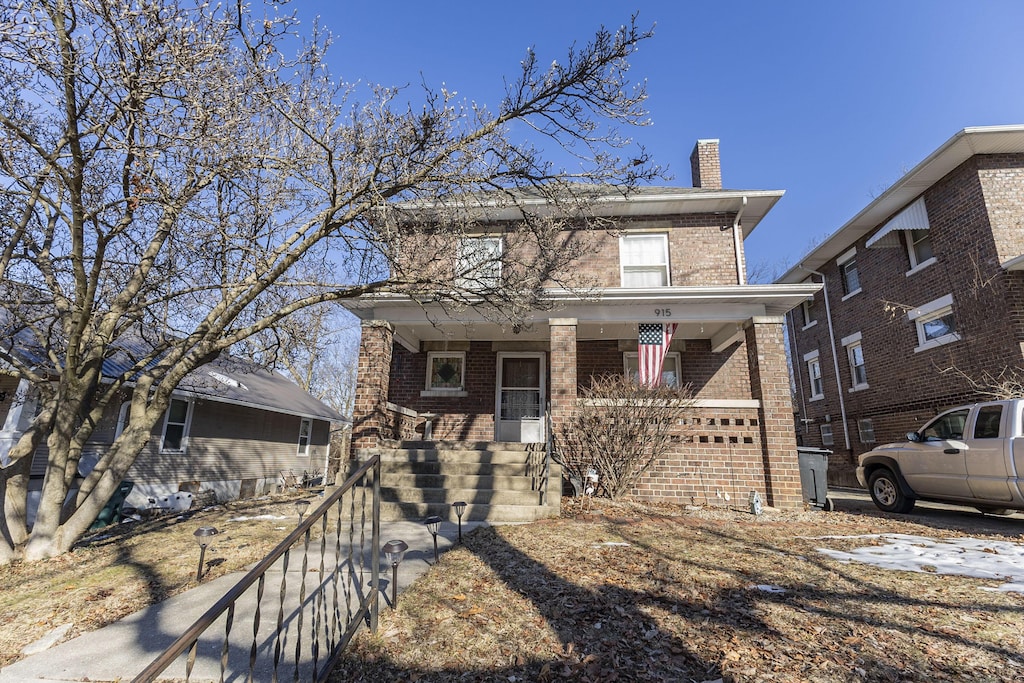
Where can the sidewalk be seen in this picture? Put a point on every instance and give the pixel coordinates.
(118, 652)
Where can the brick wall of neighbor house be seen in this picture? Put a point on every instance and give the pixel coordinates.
(975, 223)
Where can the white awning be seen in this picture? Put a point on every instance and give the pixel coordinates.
(914, 217)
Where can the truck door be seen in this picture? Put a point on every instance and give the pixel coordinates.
(987, 474)
(936, 465)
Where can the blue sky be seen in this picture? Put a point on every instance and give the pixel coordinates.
(830, 101)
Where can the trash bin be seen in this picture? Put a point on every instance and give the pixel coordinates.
(814, 476)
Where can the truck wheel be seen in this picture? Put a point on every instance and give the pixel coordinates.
(886, 494)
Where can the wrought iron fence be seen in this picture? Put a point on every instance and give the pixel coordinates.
(312, 627)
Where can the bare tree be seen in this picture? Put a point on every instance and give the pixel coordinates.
(620, 428)
(176, 182)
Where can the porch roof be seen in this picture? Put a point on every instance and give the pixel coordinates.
(716, 313)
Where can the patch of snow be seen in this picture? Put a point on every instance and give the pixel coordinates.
(610, 543)
(765, 588)
(972, 557)
(249, 519)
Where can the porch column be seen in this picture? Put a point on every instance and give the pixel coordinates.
(769, 383)
(373, 380)
(563, 371)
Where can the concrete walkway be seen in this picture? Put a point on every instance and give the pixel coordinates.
(120, 651)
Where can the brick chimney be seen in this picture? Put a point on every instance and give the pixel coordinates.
(706, 166)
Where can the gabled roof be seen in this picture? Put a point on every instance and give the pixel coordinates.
(609, 200)
(228, 379)
(958, 149)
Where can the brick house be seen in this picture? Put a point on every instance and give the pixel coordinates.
(929, 276)
(451, 383)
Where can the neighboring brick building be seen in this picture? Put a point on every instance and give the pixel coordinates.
(928, 277)
(661, 255)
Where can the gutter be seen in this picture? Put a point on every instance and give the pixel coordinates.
(741, 275)
(835, 359)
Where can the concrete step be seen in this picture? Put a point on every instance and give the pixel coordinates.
(475, 512)
(449, 496)
(476, 469)
(459, 481)
(467, 445)
(497, 457)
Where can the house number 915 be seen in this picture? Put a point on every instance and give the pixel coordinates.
(662, 312)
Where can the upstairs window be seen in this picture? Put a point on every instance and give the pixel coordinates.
(808, 314)
(644, 260)
(305, 432)
(814, 375)
(919, 247)
(855, 356)
(848, 272)
(176, 424)
(479, 263)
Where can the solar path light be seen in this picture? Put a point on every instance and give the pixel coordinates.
(433, 524)
(394, 551)
(460, 507)
(301, 506)
(203, 535)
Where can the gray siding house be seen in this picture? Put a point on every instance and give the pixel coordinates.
(232, 428)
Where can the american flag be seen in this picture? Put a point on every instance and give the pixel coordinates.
(653, 345)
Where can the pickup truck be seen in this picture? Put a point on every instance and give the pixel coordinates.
(971, 455)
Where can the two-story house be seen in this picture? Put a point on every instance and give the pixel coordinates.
(922, 299)
(659, 255)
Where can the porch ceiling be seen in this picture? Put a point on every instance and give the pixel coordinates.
(714, 313)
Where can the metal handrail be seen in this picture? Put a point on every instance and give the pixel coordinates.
(548, 447)
(336, 633)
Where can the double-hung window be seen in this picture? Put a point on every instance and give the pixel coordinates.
(855, 357)
(935, 323)
(478, 265)
(305, 433)
(848, 272)
(644, 260)
(866, 430)
(808, 314)
(919, 247)
(176, 424)
(817, 386)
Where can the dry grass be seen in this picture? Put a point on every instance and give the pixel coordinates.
(663, 594)
(119, 570)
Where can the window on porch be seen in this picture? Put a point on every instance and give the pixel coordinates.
(671, 371)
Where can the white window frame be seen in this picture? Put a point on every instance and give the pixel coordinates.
(852, 343)
(632, 358)
(866, 430)
(812, 360)
(915, 265)
(305, 432)
(468, 274)
(625, 268)
(827, 436)
(805, 310)
(842, 261)
(444, 391)
(186, 426)
(933, 310)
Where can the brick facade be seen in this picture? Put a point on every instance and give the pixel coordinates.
(740, 438)
(976, 217)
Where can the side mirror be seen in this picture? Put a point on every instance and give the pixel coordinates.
(914, 437)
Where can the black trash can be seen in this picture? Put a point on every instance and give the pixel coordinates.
(814, 476)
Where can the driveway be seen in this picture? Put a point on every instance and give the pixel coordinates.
(857, 501)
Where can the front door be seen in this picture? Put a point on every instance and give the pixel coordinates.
(519, 413)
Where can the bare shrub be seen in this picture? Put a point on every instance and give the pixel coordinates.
(620, 428)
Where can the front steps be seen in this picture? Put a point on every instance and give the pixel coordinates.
(500, 482)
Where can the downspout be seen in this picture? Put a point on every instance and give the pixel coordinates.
(835, 359)
(737, 238)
